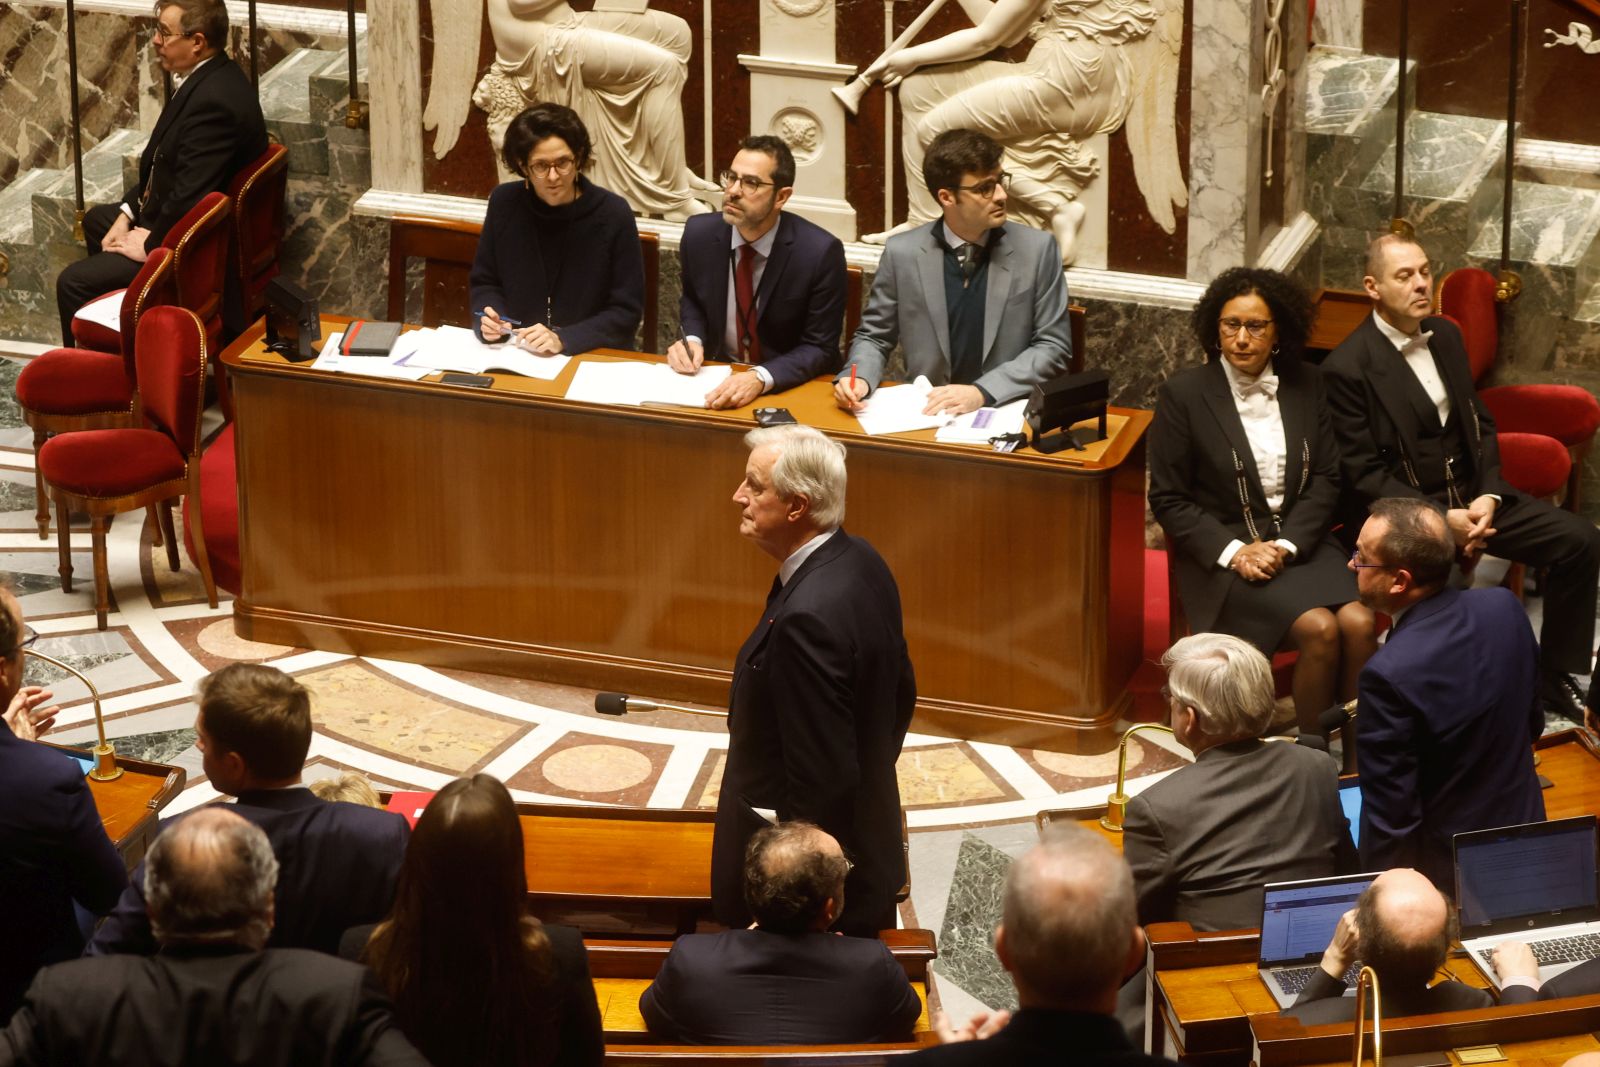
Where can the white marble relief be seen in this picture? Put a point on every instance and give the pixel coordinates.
(1578, 35)
(1337, 24)
(622, 69)
(1095, 66)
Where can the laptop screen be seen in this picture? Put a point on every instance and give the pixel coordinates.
(1537, 870)
(1298, 918)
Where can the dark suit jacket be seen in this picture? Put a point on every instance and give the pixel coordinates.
(217, 1004)
(1582, 981)
(581, 1042)
(1449, 709)
(53, 850)
(209, 131)
(822, 694)
(1205, 839)
(1036, 1036)
(1378, 407)
(801, 295)
(752, 987)
(1194, 486)
(1323, 1000)
(337, 865)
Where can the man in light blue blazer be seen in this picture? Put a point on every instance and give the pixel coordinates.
(978, 304)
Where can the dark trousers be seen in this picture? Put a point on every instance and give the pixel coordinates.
(101, 273)
(1534, 533)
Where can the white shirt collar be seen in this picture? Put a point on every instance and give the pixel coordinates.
(179, 79)
(801, 554)
(1236, 380)
(762, 244)
(952, 241)
(1396, 338)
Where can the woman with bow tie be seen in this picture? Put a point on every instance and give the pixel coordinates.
(1244, 479)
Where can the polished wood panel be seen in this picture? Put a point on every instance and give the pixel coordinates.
(623, 1025)
(130, 806)
(612, 958)
(1339, 312)
(511, 530)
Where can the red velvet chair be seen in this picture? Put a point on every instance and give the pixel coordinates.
(199, 243)
(1538, 465)
(257, 195)
(1568, 413)
(108, 472)
(219, 508)
(68, 389)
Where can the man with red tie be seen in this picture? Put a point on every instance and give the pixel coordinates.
(761, 287)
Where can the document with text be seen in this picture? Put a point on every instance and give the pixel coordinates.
(634, 383)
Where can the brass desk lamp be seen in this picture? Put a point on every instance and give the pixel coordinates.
(105, 757)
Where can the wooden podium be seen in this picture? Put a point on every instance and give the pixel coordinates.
(512, 531)
(130, 806)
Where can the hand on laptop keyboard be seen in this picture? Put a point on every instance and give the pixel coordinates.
(1513, 959)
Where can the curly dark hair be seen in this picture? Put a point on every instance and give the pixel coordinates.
(1292, 309)
(788, 878)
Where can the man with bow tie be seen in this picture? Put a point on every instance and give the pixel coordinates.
(978, 305)
(1449, 704)
(1410, 424)
(210, 130)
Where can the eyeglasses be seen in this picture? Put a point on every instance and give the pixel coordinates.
(750, 185)
(163, 35)
(1355, 561)
(1256, 328)
(558, 168)
(30, 635)
(984, 190)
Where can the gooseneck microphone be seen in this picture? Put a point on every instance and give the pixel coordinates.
(622, 703)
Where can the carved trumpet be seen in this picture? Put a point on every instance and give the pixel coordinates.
(851, 93)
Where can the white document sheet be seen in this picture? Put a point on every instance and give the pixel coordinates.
(453, 348)
(104, 311)
(391, 366)
(976, 427)
(634, 383)
(898, 409)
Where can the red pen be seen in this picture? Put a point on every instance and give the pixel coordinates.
(852, 379)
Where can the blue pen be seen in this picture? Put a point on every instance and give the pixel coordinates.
(502, 318)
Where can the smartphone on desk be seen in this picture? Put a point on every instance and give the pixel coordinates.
(471, 381)
(774, 416)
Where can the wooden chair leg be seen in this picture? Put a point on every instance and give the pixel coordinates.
(153, 513)
(102, 576)
(197, 534)
(164, 511)
(41, 500)
(64, 544)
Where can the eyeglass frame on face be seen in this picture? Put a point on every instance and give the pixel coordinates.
(560, 168)
(163, 35)
(750, 186)
(1256, 328)
(985, 189)
(1358, 565)
(31, 635)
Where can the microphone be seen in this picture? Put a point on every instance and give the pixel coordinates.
(1335, 718)
(1312, 741)
(622, 703)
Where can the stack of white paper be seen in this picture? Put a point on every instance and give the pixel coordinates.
(391, 366)
(976, 427)
(634, 383)
(898, 409)
(453, 348)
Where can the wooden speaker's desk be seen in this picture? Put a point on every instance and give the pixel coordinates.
(130, 805)
(512, 531)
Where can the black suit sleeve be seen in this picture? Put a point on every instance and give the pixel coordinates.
(1312, 515)
(691, 303)
(660, 997)
(1391, 795)
(484, 277)
(1519, 994)
(1320, 986)
(201, 163)
(372, 1036)
(1353, 408)
(1144, 845)
(615, 324)
(902, 1006)
(818, 349)
(582, 1041)
(127, 929)
(95, 871)
(810, 667)
(1188, 525)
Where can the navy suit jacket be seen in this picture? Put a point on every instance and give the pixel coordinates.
(800, 298)
(822, 695)
(1582, 981)
(755, 987)
(337, 866)
(209, 131)
(53, 850)
(1449, 710)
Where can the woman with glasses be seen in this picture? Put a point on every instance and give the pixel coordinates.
(1244, 480)
(558, 268)
(476, 981)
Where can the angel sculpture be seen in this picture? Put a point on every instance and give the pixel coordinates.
(1095, 65)
(623, 72)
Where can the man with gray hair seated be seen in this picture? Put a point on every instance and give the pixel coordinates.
(213, 994)
(1069, 935)
(822, 690)
(1205, 839)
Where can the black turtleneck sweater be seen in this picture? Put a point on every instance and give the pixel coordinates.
(578, 264)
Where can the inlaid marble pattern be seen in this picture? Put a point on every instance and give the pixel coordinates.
(966, 937)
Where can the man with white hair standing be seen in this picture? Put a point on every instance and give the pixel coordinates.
(1204, 840)
(822, 689)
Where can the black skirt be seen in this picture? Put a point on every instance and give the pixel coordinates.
(1262, 612)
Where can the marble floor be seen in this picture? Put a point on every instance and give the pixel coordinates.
(970, 805)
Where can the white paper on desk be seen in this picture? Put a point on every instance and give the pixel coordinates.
(391, 366)
(632, 382)
(976, 427)
(457, 349)
(106, 311)
(898, 409)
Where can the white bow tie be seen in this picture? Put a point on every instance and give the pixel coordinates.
(1265, 386)
(1416, 343)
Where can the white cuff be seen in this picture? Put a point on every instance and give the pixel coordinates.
(766, 379)
(1287, 546)
(126, 210)
(1226, 559)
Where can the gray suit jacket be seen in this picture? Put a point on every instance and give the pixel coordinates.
(1026, 336)
(1204, 840)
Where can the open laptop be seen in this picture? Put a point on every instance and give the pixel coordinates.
(1297, 922)
(1535, 883)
